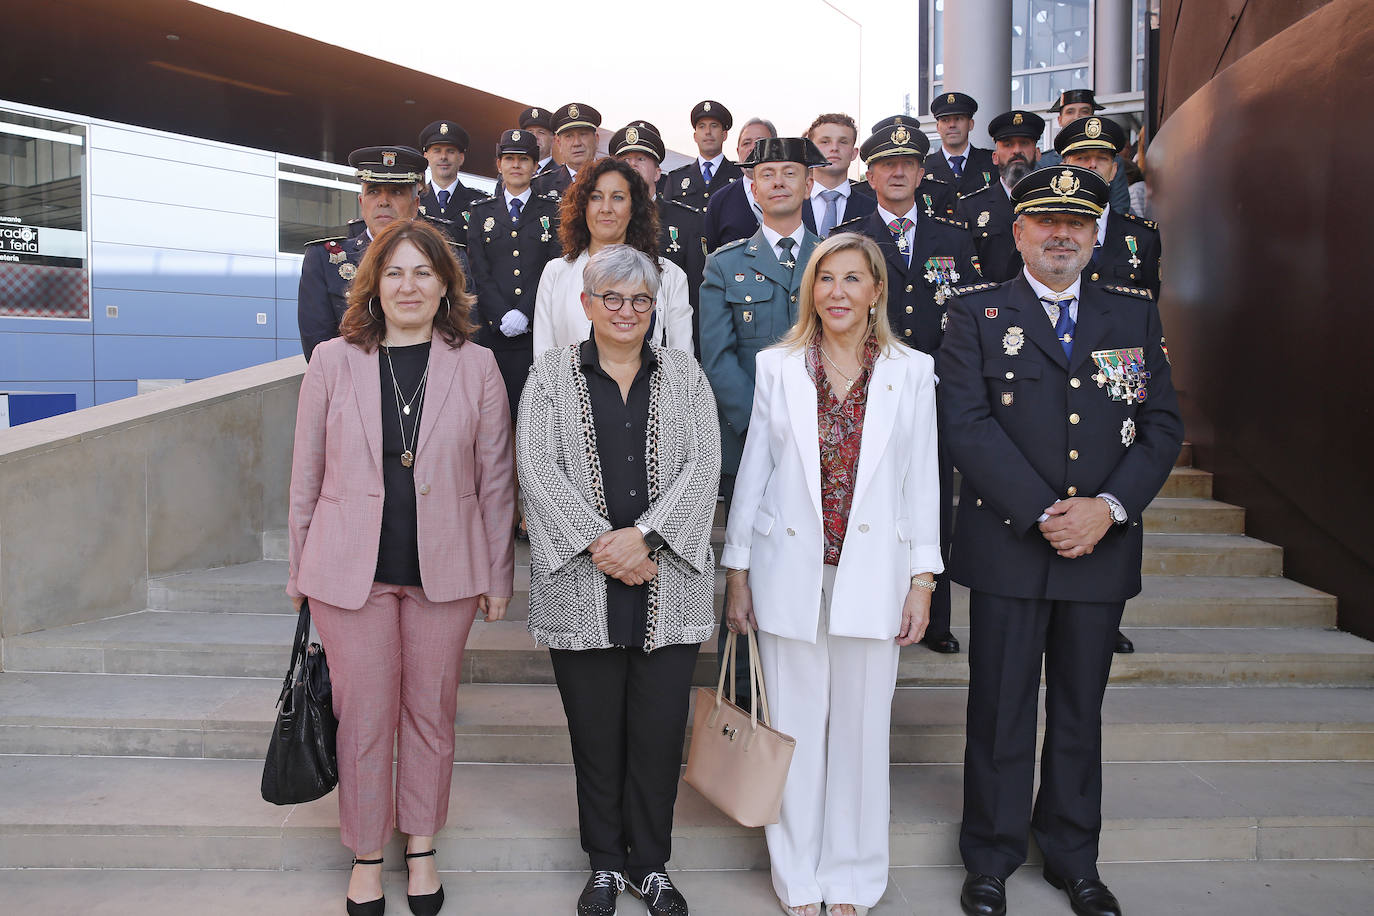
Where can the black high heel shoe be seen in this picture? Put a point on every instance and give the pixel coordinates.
(424, 904)
(372, 907)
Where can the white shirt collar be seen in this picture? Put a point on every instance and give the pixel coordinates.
(449, 189)
(543, 162)
(1102, 225)
(749, 194)
(1044, 292)
(715, 163)
(523, 198)
(949, 155)
(889, 217)
(817, 189)
(773, 237)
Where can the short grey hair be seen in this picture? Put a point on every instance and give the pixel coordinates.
(615, 265)
(767, 125)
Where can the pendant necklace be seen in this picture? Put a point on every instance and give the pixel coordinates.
(403, 410)
(848, 382)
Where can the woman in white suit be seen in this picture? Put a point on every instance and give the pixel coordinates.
(831, 551)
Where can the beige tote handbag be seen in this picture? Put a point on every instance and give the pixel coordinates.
(737, 762)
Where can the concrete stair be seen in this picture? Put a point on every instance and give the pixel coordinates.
(1241, 731)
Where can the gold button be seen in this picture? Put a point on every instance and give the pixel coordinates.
(1132, 276)
(517, 271)
(1073, 418)
(1074, 383)
(513, 233)
(517, 291)
(424, 489)
(516, 253)
(910, 309)
(1072, 491)
(748, 298)
(1094, 276)
(863, 529)
(1073, 454)
(1011, 375)
(909, 287)
(979, 502)
(907, 332)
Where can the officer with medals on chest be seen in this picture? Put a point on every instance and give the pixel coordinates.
(695, 182)
(1057, 406)
(446, 198)
(390, 177)
(1128, 248)
(965, 167)
(933, 193)
(511, 236)
(988, 209)
(574, 145)
(926, 254)
(680, 237)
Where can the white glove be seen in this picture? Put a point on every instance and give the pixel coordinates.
(514, 323)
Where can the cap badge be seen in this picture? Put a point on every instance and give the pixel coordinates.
(388, 158)
(631, 135)
(1013, 340)
(901, 136)
(443, 128)
(1094, 129)
(534, 112)
(515, 135)
(1018, 118)
(950, 98)
(705, 106)
(572, 111)
(1064, 184)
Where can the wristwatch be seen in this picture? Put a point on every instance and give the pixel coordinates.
(652, 539)
(1118, 511)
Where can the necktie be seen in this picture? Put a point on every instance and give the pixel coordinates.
(786, 243)
(443, 200)
(899, 228)
(832, 212)
(706, 171)
(1063, 322)
(515, 206)
(956, 165)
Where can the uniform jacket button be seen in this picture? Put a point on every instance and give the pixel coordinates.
(978, 502)
(1073, 454)
(910, 309)
(516, 272)
(909, 287)
(1073, 418)
(517, 291)
(1072, 491)
(1074, 383)
(515, 253)
(907, 332)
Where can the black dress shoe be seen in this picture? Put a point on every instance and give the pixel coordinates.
(424, 904)
(660, 896)
(983, 895)
(1124, 646)
(598, 896)
(944, 643)
(1087, 896)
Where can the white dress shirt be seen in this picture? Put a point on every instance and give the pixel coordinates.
(524, 198)
(818, 202)
(910, 233)
(715, 164)
(1102, 225)
(1044, 292)
(773, 238)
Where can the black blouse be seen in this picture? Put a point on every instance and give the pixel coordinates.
(621, 435)
(398, 551)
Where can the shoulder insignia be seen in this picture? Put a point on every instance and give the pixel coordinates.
(335, 239)
(678, 203)
(1135, 291)
(968, 288)
(974, 193)
(1147, 223)
(482, 200)
(950, 221)
(551, 197)
(850, 225)
(728, 245)
(934, 179)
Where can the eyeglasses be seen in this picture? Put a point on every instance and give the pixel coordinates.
(613, 301)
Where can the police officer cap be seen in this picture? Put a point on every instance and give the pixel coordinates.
(785, 149)
(710, 109)
(518, 143)
(896, 140)
(388, 164)
(1091, 133)
(450, 132)
(635, 139)
(1017, 124)
(892, 121)
(1074, 97)
(576, 114)
(1061, 189)
(536, 117)
(952, 103)
(645, 125)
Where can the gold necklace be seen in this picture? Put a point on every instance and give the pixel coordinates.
(848, 380)
(403, 410)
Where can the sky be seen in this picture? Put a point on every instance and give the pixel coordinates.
(784, 61)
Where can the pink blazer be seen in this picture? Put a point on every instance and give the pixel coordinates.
(464, 477)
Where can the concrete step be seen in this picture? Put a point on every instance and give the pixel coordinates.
(162, 716)
(90, 812)
(276, 544)
(1210, 555)
(1266, 887)
(255, 645)
(1188, 482)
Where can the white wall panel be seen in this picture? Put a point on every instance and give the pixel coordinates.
(187, 184)
(137, 222)
(182, 149)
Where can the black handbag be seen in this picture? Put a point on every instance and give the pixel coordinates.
(302, 764)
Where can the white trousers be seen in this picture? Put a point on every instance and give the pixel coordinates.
(835, 697)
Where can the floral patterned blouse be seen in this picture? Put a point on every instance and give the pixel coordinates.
(841, 423)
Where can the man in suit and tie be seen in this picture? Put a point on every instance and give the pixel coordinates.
(732, 213)
(988, 210)
(958, 162)
(574, 145)
(695, 182)
(926, 255)
(833, 198)
(1071, 105)
(1057, 405)
(445, 145)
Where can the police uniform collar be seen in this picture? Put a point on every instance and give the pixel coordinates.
(773, 236)
(524, 197)
(1044, 292)
(715, 163)
(451, 189)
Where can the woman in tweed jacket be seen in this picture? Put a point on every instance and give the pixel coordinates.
(618, 451)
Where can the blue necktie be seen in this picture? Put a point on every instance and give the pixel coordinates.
(832, 212)
(706, 171)
(515, 206)
(443, 200)
(1064, 325)
(956, 165)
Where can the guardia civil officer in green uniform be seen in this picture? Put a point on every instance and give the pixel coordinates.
(926, 254)
(574, 146)
(391, 177)
(1057, 406)
(695, 182)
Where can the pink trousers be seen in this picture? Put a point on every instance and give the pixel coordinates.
(394, 665)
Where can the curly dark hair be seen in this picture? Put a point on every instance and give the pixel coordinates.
(642, 232)
(362, 324)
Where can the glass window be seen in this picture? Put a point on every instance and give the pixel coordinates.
(43, 266)
(1051, 44)
(314, 201)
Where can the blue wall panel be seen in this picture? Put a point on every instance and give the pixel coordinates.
(105, 392)
(83, 390)
(118, 266)
(288, 324)
(45, 325)
(39, 357)
(287, 348)
(183, 314)
(288, 275)
(167, 226)
(118, 357)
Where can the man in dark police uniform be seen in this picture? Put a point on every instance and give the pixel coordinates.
(445, 145)
(574, 145)
(695, 182)
(957, 161)
(1056, 404)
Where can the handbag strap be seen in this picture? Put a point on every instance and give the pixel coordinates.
(727, 665)
(759, 701)
(299, 647)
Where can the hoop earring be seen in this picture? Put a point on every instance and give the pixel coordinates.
(448, 309)
(369, 308)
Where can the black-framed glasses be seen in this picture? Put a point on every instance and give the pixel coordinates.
(613, 301)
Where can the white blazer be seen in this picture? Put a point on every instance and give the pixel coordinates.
(775, 529)
(559, 319)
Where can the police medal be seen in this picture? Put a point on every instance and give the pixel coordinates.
(1013, 341)
(347, 270)
(1135, 255)
(672, 232)
(544, 222)
(941, 273)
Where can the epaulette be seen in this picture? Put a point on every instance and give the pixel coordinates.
(935, 179)
(481, 200)
(551, 195)
(1135, 291)
(974, 193)
(1147, 223)
(949, 221)
(968, 288)
(691, 164)
(728, 245)
(680, 204)
(332, 238)
(850, 225)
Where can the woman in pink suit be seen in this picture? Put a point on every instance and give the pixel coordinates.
(402, 506)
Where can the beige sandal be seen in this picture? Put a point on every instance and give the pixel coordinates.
(801, 909)
(858, 910)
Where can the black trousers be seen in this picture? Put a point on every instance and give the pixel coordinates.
(939, 601)
(1007, 638)
(627, 717)
(514, 363)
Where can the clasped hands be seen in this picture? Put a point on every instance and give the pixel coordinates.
(1076, 525)
(622, 554)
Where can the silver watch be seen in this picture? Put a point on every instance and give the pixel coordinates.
(1118, 511)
